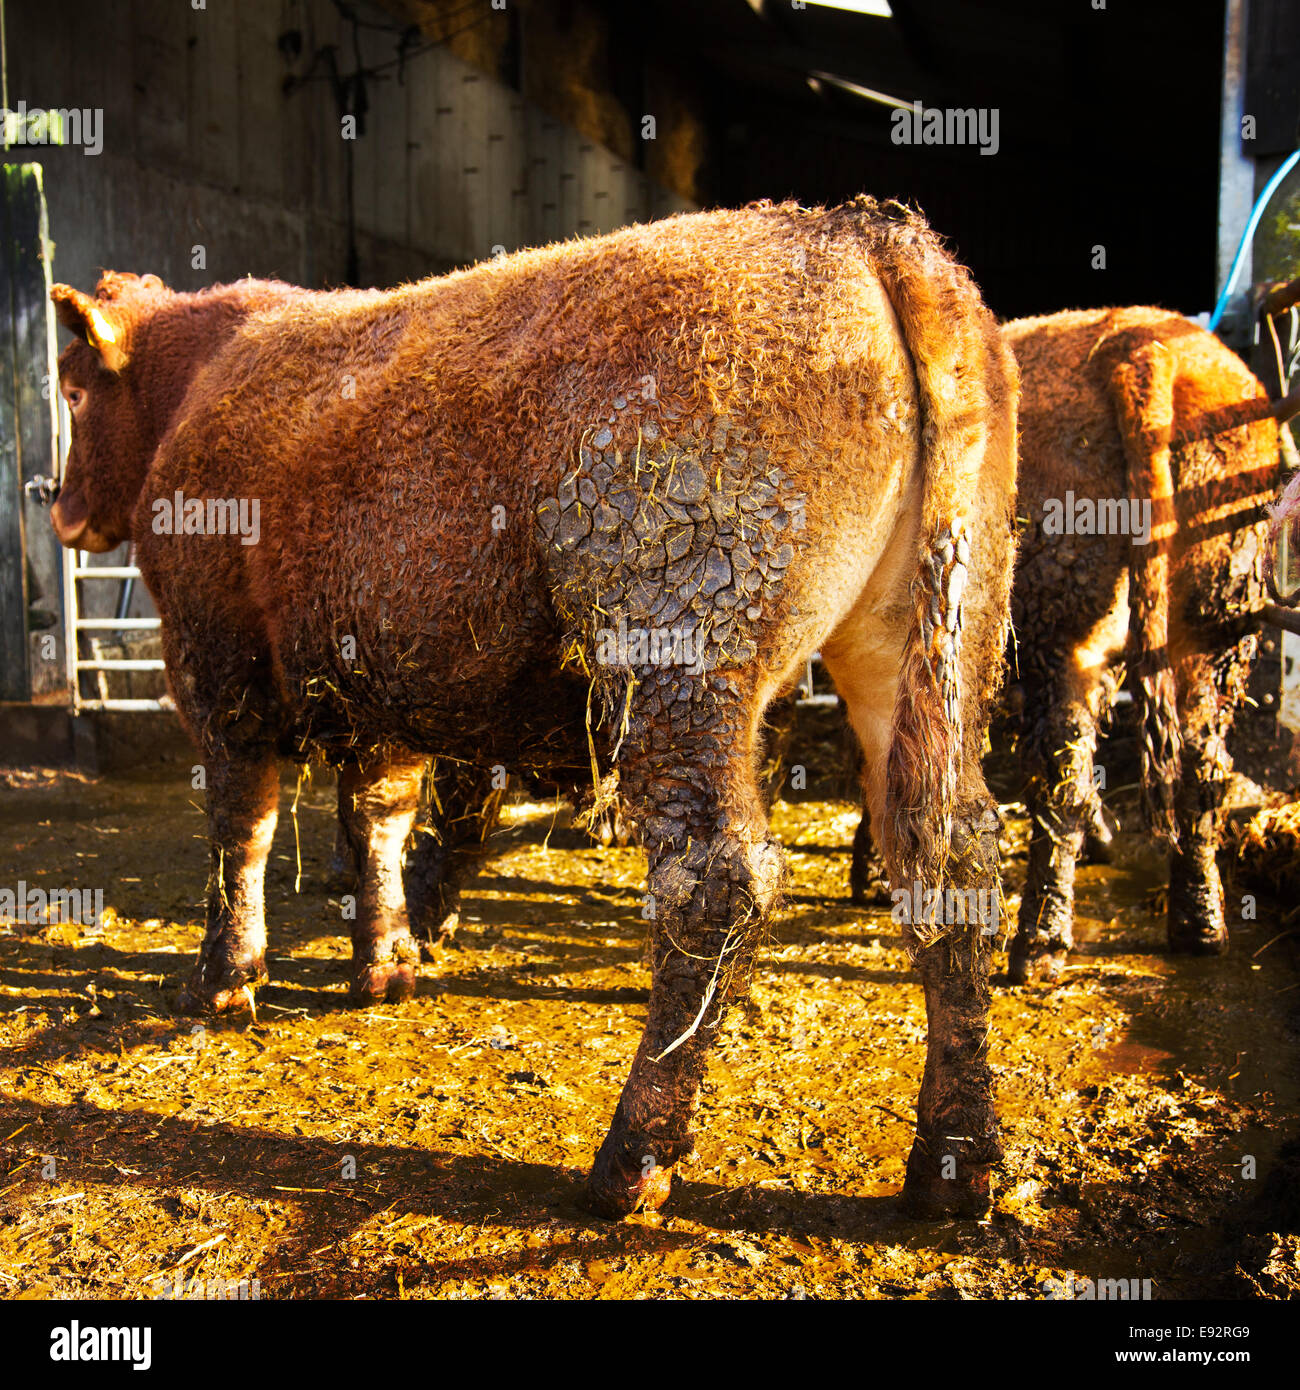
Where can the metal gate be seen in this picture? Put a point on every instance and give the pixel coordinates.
(76, 571)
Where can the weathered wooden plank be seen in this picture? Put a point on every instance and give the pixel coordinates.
(569, 161)
(160, 73)
(381, 151)
(544, 144)
(447, 162)
(517, 146)
(35, 393)
(422, 98)
(260, 101)
(14, 681)
(471, 187)
(213, 99)
(593, 187)
(505, 158)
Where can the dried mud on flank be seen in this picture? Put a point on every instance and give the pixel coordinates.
(1129, 1095)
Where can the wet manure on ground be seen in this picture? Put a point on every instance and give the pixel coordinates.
(437, 1149)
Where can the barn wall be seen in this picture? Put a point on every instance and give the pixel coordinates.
(594, 67)
(223, 153)
(204, 146)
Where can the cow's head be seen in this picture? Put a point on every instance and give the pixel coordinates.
(113, 439)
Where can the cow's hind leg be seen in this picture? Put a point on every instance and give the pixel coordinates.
(450, 847)
(343, 872)
(715, 877)
(868, 877)
(378, 798)
(243, 792)
(1057, 754)
(1210, 687)
(957, 1140)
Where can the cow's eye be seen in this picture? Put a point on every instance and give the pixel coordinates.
(76, 397)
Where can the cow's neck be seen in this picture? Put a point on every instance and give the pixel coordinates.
(186, 333)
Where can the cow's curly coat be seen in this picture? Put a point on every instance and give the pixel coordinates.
(775, 429)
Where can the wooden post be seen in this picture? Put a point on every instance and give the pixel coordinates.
(31, 573)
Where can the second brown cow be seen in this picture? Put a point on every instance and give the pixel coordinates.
(1144, 545)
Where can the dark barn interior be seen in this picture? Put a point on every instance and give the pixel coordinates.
(283, 1133)
(1109, 123)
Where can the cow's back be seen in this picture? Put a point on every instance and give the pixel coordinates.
(1070, 442)
(465, 475)
(1070, 589)
(1223, 476)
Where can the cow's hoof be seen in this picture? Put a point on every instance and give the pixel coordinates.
(942, 1184)
(233, 991)
(382, 982)
(1037, 967)
(614, 1194)
(930, 1198)
(1211, 943)
(626, 1177)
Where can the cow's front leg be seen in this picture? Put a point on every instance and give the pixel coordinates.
(377, 803)
(868, 877)
(242, 798)
(343, 872)
(1195, 921)
(1045, 933)
(956, 1126)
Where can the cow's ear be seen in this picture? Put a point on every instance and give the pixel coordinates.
(90, 321)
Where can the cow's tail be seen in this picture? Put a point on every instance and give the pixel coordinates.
(965, 379)
(1142, 392)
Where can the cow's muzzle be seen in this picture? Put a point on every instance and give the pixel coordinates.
(71, 521)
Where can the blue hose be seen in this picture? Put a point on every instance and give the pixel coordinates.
(1255, 214)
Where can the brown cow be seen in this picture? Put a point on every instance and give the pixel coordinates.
(1122, 410)
(1105, 394)
(1123, 421)
(176, 335)
(597, 502)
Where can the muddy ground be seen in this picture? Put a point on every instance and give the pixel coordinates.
(436, 1149)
